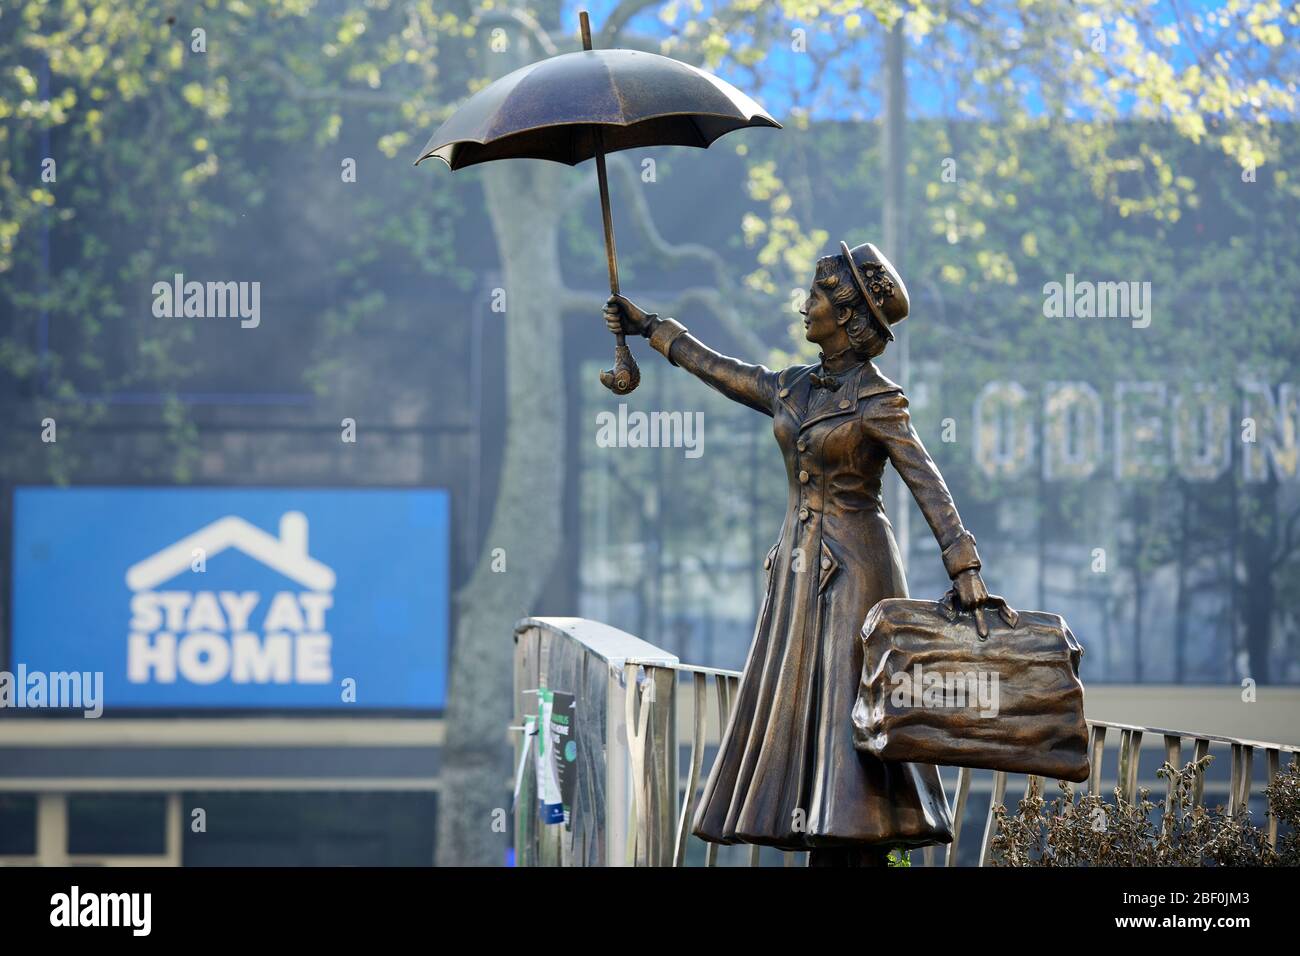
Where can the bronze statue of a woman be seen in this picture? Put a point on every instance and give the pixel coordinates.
(787, 774)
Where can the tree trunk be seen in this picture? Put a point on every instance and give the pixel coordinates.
(523, 200)
(1258, 547)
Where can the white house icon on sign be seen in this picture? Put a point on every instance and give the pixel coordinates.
(286, 554)
(205, 636)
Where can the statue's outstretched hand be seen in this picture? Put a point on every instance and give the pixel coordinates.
(622, 315)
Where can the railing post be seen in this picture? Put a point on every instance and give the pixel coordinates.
(1130, 753)
(1243, 758)
(1098, 750)
(722, 687)
(1173, 756)
(635, 719)
(996, 798)
(1200, 750)
(699, 685)
(959, 811)
(1273, 757)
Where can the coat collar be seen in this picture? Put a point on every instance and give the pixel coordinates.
(794, 390)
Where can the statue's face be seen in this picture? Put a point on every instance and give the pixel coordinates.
(819, 315)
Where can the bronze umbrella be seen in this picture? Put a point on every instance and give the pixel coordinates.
(576, 106)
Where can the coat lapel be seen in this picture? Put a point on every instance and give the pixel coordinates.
(795, 392)
(793, 386)
(843, 402)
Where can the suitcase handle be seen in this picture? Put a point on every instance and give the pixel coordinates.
(952, 608)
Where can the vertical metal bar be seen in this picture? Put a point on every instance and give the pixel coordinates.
(1239, 786)
(1121, 768)
(1173, 757)
(617, 772)
(722, 687)
(996, 798)
(636, 758)
(1135, 765)
(525, 814)
(959, 812)
(690, 797)
(1274, 758)
(754, 849)
(52, 829)
(175, 830)
(1130, 753)
(1098, 750)
(1247, 777)
(1234, 780)
(663, 732)
(1199, 751)
(893, 226)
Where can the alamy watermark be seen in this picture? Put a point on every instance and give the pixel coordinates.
(56, 690)
(942, 689)
(179, 299)
(651, 430)
(74, 908)
(1100, 300)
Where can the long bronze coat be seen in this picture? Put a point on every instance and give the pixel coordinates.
(787, 773)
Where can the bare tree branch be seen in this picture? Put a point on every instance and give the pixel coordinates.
(524, 19)
(295, 88)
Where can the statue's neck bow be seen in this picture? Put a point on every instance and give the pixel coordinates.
(834, 365)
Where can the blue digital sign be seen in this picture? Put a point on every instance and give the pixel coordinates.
(240, 598)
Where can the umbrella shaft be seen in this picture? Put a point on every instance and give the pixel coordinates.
(611, 254)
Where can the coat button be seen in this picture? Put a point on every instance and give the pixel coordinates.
(802, 445)
(803, 514)
(803, 477)
(826, 564)
(784, 393)
(845, 403)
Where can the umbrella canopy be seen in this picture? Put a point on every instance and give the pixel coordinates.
(611, 100)
(582, 105)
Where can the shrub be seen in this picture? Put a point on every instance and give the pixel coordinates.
(1092, 832)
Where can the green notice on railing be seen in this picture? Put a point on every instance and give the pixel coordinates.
(557, 754)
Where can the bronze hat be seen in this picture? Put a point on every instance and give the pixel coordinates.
(879, 283)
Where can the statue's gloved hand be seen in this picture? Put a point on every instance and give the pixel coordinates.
(968, 593)
(973, 595)
(970, 589)
(622, 315)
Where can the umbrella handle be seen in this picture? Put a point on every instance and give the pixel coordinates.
(625, 376)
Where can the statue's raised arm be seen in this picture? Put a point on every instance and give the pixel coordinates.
(752, 385)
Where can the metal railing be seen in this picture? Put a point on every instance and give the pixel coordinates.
(649, 817)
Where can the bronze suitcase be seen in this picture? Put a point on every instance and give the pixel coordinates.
(933, 691)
